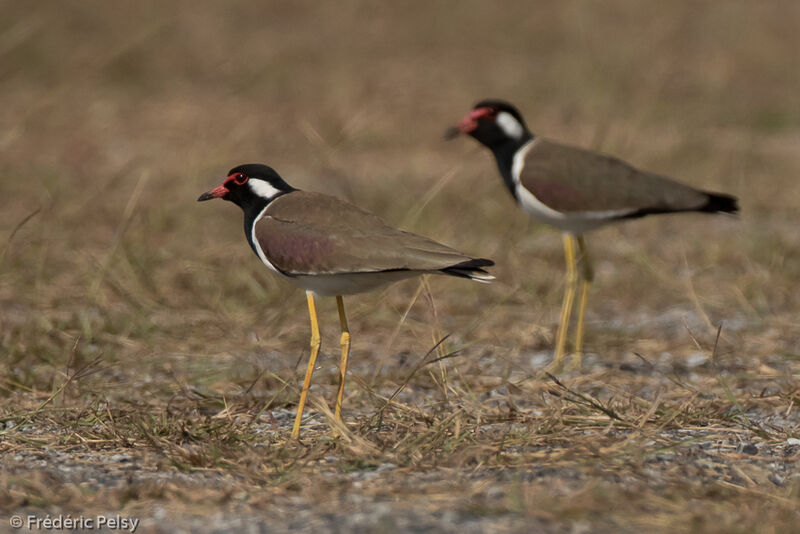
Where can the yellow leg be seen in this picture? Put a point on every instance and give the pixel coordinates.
(344, 341)
(312, 360)
(569, 298)
(587, 275)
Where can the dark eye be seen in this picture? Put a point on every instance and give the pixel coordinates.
(240, 179)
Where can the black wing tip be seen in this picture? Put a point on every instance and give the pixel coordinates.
(474, 263)
(472, 269)
(715, 203)
(721, 203)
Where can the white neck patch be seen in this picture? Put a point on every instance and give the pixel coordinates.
(262, 188)
(510, 126)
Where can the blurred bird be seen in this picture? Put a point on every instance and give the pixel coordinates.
(576, 191)
(331, 248)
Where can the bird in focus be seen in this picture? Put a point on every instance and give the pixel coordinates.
(329, 247)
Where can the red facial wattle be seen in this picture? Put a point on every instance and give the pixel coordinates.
(237, 178)
(220, 191)
(468, 123)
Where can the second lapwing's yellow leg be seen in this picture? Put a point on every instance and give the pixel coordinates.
(344, 341)
(312, 360)
(569, 298)
(587, 276)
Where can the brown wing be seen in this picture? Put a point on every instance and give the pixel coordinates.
(569, 179)
(311, 233)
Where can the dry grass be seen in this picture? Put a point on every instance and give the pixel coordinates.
(152, 364)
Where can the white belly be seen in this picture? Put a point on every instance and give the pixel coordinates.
(329, 285)
(577, 222)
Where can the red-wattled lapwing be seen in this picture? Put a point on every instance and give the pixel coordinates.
(331, 248)
(576, 191)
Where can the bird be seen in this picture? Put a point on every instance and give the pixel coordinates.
(575, 190)
(329, 247)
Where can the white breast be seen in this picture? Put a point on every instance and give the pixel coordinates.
(256, 244)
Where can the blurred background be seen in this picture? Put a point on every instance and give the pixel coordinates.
(116, 116)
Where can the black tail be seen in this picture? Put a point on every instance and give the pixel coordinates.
(721, 203)
(471, 269)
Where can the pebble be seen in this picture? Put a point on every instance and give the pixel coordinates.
(385, 467)
(777, 479)
(750, 448)
(540, 359)
(495, 493)
(696, 359)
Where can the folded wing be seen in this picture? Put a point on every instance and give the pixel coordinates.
(572, 180)
(309, 233)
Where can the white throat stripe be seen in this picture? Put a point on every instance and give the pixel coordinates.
(519, 160)
(509, 125)
(262, 188)
(254, 239)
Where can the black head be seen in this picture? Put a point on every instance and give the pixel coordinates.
(249, 185)
(493, 123)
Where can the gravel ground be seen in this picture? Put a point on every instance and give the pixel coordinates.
(386, 498)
